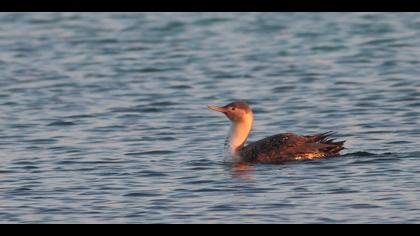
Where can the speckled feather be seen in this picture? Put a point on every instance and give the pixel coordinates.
(290, 146)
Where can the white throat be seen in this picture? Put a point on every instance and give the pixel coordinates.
(239, 132)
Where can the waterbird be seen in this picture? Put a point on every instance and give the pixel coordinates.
(273, 149)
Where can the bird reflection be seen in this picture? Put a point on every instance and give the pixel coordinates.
(242, 171)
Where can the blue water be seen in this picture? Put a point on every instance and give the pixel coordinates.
(104, 116)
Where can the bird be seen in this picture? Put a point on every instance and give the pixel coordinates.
(277, 148)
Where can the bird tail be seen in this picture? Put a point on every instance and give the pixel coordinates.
(328, 145)
(333, 148)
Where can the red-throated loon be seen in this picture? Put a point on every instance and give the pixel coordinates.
(276, 148)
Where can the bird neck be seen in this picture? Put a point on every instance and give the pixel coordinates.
(239, 132)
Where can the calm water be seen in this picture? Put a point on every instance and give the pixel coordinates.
(104, 116)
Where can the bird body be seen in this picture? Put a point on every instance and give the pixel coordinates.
(290, 146)
(276, 148)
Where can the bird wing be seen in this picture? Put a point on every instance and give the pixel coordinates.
(290, 146)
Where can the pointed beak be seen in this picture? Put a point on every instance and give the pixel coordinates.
(216, 108)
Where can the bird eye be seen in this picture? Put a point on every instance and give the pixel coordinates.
(232, 108)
